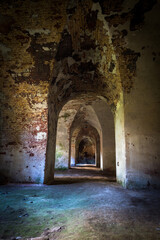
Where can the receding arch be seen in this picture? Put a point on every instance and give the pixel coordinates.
(86, 151)
(79, 133)
(83, 72)
(89, 101)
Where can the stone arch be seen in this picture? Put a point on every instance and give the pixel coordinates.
(77, 135)
(87, 67)
(86, 150)
(91, 99)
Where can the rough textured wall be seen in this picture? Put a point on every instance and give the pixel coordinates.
(136, 27)
(142, 110)
(29, 33)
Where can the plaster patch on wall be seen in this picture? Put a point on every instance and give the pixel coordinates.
(41, 105)
(40, 31)
(46, 48)
(38, 128)
(41, 136)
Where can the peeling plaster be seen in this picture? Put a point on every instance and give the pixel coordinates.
(40, 31)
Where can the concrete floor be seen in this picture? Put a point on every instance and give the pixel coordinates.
(80, 207)
(83, 173)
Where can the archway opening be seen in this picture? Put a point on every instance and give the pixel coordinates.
(80, 122)
(86, 152)
(91, 134)
(86, 68)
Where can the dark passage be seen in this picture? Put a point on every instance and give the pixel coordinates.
(86, 153)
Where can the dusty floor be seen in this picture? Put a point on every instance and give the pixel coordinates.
(83, 173)
(79, 208)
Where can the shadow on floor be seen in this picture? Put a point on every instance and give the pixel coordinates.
(82, 174)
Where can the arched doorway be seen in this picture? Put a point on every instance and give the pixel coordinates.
(78, 134)
(86, 152)
(86, 121)
(86, 68)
